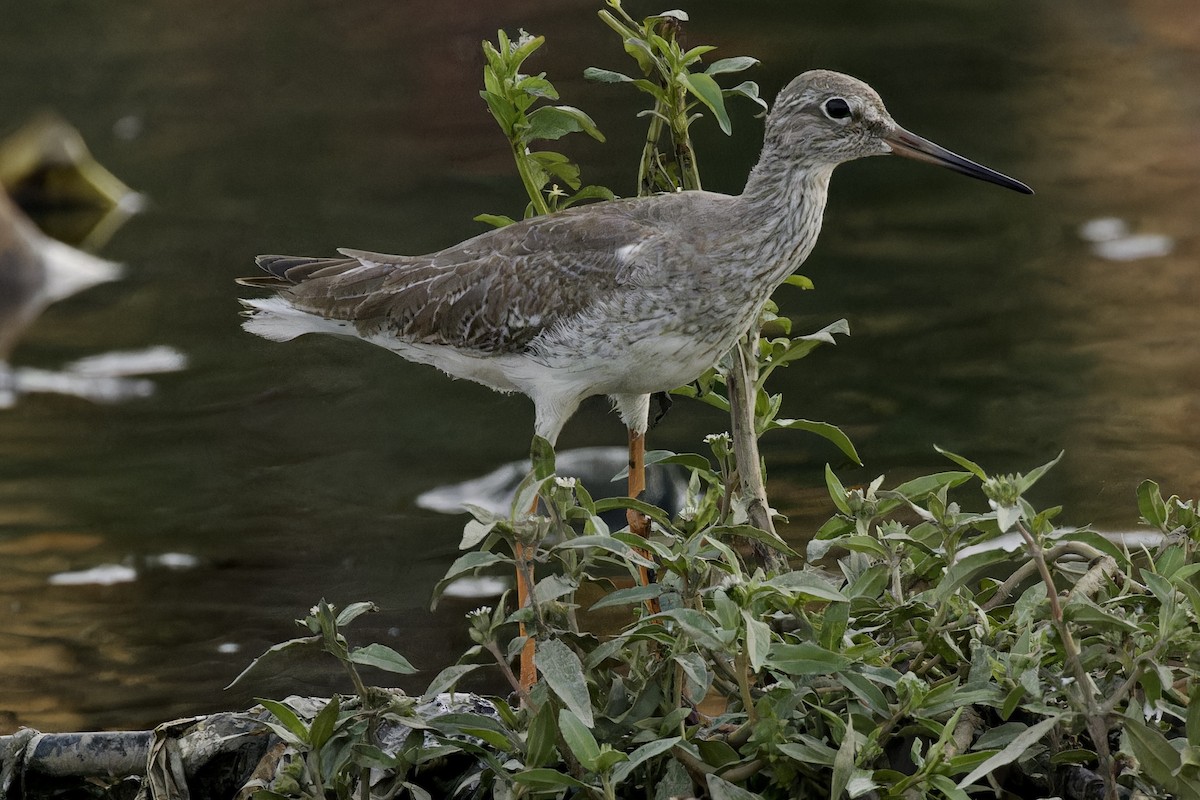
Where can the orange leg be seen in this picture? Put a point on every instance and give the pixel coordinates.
(639, 523)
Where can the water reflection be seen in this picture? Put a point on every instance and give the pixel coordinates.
(49, 171)
(49, 168)
(104, 378)
(984, 325)
(35, 271)
(1111, 239)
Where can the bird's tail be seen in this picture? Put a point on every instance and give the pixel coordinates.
(289, 270)
(276, 319)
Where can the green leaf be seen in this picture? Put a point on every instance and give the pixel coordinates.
(554, 122)
(502, 111)
(653, 512)
(280, 657)
(1007, 516)
(863, 544)
(865, 690)
(465, 563)
(807, 583)
(695, 670)
(843, 763)
(323, 724)
(833, 624)
(1192, 726)
(535, 86)
(354, 611)
(1157, 758)
(809, 752)
(926, 485)
(735, 64)
(563, 672)
(805, 658)
(285, 714)
(540, 740)
(758, 640)
(368, 755)
(640, 756)
(708, 92)
(636, 594)
(796, 279)
(588, 193)
(1012, 751)
(547, 777)
(693, 55)
(965, 463)
(696, 625)
(474, 532)
(944, 785)
(837, 492)
(717, 753)
(541, 457)
(495, 220)
(823, 429)
(605, 76)
(606, 543)
(579, 739)
(447, 678)
(721, 789)
(553, 587)
(749, 90)
(607, 759)
(690, 460)
(772, 540)
(964, 570)
(1034, 475)
(1151, 504)
(1082, 611)
(382, 657)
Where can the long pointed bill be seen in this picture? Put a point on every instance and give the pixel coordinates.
(915, 147)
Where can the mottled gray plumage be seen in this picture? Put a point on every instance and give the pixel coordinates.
(623, 298)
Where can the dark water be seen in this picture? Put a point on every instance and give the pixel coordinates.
(981, 320)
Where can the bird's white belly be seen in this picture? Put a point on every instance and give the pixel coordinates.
(638, 366)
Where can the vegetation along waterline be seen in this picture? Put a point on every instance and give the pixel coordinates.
(875, 653)
(896, 668)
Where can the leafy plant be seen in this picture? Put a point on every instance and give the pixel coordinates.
(510, 96)
(918, 648)
(676, 91)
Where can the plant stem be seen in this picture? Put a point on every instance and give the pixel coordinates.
(740, 383)
(1093, 713)
(645, 182)
(512, 679)
(521, 156)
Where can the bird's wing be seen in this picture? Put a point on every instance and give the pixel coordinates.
(491, 294)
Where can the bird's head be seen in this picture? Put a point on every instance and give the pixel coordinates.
(827, 118)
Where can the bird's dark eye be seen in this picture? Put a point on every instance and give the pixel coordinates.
(836, 108)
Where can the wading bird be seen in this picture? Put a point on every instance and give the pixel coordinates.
(622, 298)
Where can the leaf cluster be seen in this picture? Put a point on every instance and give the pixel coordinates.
(511, 96)
(677, 90)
